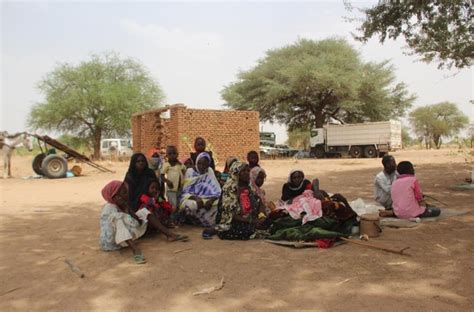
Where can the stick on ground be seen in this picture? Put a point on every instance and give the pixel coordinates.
(74, 268)
(397, 251)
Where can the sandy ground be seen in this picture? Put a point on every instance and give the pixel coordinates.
(44, 222)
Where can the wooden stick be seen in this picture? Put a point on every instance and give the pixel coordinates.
(181, 250)
(74, 268)
(10, 291)
(400, 252)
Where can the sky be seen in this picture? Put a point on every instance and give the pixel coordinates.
(192, 49)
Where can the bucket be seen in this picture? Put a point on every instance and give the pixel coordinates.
(369, 225)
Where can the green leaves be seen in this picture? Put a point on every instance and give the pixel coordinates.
(307, 83)
(436, 30)
(436, 121)
(95, 98)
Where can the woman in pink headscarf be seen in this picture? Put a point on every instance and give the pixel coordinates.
(117, 227)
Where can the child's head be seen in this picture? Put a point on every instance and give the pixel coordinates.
(296, 178)
(172, 153)
(244, 174)
(252, 158)
(153, 188)
(405, 167)
(199, 145)
(115, 192)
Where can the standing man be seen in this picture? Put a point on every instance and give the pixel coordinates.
(384, 180)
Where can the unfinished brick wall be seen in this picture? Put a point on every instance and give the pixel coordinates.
(227, 132)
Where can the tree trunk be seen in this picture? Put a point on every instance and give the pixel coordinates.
(437, 141)
(319, 119)
(96, 143)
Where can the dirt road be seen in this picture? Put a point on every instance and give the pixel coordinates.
(44, 222)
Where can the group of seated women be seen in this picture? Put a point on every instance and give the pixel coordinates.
(230, 204)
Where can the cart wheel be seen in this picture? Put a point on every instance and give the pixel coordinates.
(54, 167)
(37, 161)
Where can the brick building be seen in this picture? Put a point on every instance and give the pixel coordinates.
(227, 132)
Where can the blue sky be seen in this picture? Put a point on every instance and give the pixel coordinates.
(192, 49)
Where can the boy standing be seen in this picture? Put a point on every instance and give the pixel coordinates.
(172, 174)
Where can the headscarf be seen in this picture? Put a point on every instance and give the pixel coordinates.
(289, 179)
(200, 156)
(254, 172)
(138, 182)
(230, 196)
(230, 160)
(204, 185)
(111, 189)
(289, 192)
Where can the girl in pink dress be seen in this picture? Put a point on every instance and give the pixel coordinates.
(407, 196)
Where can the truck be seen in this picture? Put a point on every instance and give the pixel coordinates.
(267, 144)
(369, 139)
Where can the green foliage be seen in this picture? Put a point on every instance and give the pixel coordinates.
(436, 121)
(436, 30)
(79, 144)
(95, 98)
(305, 84)
(299, 139)
(407, 140)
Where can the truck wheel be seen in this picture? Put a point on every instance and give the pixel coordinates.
(319, 152)
(37, 161)
(54, 167)
(356, 151)
(370, 151)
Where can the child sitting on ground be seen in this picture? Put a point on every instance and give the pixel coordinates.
(407, 197)
(117, 226)
(153, 203)
(172, 174)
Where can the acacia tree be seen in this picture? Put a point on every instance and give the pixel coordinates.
(436, 121)
(299, 138)
(305, 84)
(95, 98)
(436, 30)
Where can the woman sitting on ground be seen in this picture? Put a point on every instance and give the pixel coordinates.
(117, 227)
(296, 185)
(407, 198)
(257, 178)
(138, 177)
(200, 193)
(242, 211)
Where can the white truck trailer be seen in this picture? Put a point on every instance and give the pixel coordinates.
(369, 139)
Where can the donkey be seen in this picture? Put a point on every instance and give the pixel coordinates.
(8, 142)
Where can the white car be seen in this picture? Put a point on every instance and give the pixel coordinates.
(116, 147)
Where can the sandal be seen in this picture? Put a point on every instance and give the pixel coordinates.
(139, 259)
(179, 237)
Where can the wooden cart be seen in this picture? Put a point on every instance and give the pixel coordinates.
(54, 166)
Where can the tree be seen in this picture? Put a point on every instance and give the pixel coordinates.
(436, 121)
(95, 98)
(406, 138)
(305, 84)
(436, 30)
(299, 138)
